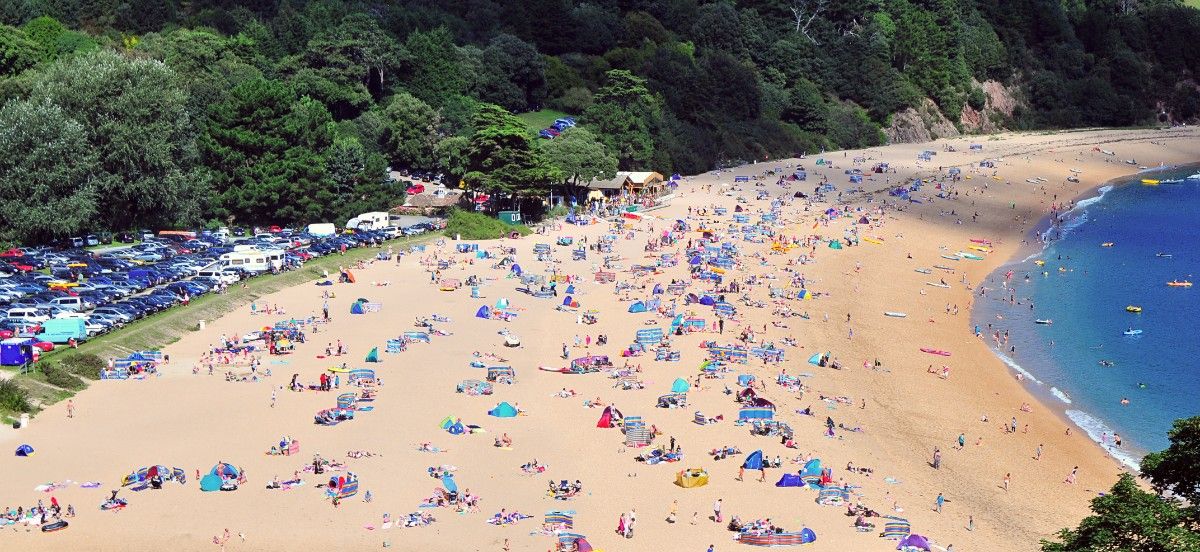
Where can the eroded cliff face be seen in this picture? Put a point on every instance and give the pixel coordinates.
(920, 124)
(926, 122)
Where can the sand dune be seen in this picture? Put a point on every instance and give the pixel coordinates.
(192, 421)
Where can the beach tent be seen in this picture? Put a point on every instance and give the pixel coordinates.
(913, 542)
(680, 386)
(501, 303)
(692, 477)
(708, 301)
(484, 312)
(356, 307)
(745, 380)
(516, 269)
(815, 359)
(790, 480)
(834, 244)
(24, 450)
(372, 356)
(607, 417)
(754, 461)
(218, 474)
(349, 277)
(637, 306)
(503, 410)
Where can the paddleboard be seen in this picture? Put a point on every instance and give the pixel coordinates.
(938, 352)
(950, 257)
(923, 270)
(895, 314)
(875, 241)
(938, 285)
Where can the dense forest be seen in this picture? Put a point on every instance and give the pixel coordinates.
(118, 113)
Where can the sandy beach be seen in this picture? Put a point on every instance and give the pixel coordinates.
(192, 421)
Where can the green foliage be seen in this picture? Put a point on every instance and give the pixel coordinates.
(470, 225)
(58, 377)
(502, 158)
(84, 365)
(411, 131)
(13, 397)
(50, 165)
(135, 114)
(1129, 518)
(18, 52)
(1176, 469)
(579, 156)
(161, 89)
(624, 114)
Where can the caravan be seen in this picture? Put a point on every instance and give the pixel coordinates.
(254, 260)
(368, 221)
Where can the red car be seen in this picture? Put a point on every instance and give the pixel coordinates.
(275, 229)
(7, 334)
(45, 346)
(14, 252)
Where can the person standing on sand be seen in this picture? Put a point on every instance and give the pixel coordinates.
(674, 510)
(962, 441)
(717, 511)
(1071, 477)
(1007, 477)
(1038, 454)
(70, 408)
(941, 499)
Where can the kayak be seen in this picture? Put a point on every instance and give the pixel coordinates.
(56, 526)
(1039, 262)
(923, 270)
(938, 285)
(1046, 321)
(946, 268)
(1150, 182)
(1106, 244)
(950, 257)
(1133, 308)
(970, 256)
(981, 240)
(980, 248)
(938, 352)
(1177, 283)
(895, 314)
(875, 241)
(1132, 332)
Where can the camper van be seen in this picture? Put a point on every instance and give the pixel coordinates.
(368, 221)
(254, 260)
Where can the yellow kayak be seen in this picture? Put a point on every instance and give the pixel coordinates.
(982, 248)
(875, 241)
(1039, 262)
(1150, 182)
(1107, 244)
(1133, 308)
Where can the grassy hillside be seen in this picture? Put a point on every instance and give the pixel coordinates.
(537, 120)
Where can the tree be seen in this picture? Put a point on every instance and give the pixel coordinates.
(348, 67)
(624, 114)
(513, 74)
(453, 156)
(50, 166)
(135, 114)
(412, 131)
(436, 68)
(502, 158)
(579, 156)
(1128, 518)
(55, 39)
(1177, 469)
(17, 51)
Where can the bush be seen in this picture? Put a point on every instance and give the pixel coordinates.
(58, 377)
(976, 98)
(84, 365)
(470, 225)
(13, 397)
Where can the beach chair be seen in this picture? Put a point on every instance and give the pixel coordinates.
(636, 432)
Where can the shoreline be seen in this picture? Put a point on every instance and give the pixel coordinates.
(1048, 395)
(896, 415)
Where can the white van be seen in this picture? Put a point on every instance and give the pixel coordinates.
(369, 221)
(28, 314)
(69, 303)
(216, 273)
(255, 260)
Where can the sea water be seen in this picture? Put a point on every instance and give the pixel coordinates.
(1084, 288)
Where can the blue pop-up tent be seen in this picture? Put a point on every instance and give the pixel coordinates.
(637, 306)
(484, 312)
(503, 410)
(680, 386)
(754, 461)
(24, 450)
(790, 480)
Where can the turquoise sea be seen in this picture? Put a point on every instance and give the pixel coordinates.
(1083, 360)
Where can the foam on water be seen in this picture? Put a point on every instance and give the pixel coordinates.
(1060, 395)
(1095, 428)
(1013, 364)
